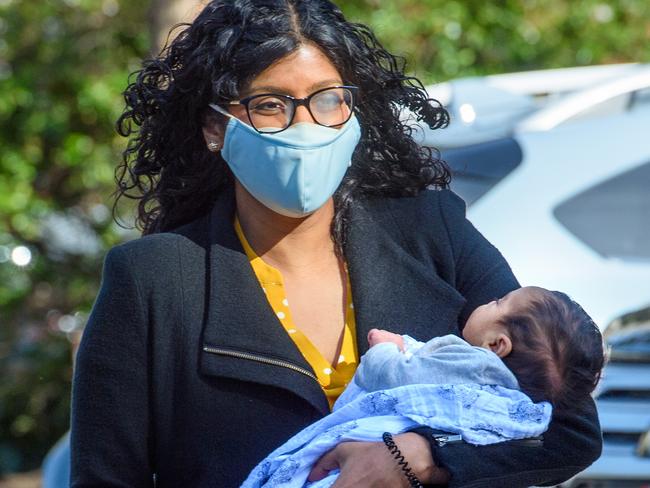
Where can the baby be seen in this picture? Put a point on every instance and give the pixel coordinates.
(521, 352)
(543, 343)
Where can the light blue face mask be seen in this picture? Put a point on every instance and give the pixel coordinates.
(293, 172)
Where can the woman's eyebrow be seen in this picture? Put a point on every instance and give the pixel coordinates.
(285, 91)
(325, 84)
(267, 89)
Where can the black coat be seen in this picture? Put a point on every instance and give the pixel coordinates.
(184, 370)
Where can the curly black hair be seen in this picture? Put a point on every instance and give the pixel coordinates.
(167, 166)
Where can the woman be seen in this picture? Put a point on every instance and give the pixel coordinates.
(287, 212)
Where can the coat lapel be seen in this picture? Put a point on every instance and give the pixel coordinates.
(250, 342)
(393, 289)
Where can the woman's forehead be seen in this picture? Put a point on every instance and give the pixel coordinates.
(300, 73)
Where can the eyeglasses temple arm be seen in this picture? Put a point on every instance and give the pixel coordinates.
(217, 108)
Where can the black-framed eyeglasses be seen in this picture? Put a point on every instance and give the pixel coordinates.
(270, 113)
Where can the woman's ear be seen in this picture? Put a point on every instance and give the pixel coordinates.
(213, 130)
(500, 344)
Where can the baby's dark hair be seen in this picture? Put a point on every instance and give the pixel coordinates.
(557, 349)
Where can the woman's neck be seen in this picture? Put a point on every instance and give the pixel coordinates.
(289, 244)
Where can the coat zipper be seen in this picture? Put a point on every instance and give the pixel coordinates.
(444, 439)
(440, 439)
(259, 359)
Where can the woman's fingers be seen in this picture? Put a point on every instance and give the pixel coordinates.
(371, 464)
(368, 465)
(324, 465)
(362, 465)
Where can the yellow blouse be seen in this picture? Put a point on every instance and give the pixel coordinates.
(332, 378)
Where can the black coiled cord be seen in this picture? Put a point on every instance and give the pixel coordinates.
(404, 466)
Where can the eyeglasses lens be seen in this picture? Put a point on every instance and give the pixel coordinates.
(330, 108)
(269, 113)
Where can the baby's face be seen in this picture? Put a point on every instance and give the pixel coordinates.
(484, 321)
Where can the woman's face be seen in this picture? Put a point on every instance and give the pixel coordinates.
(299, 74)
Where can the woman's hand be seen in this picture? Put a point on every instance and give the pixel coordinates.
(370, 464)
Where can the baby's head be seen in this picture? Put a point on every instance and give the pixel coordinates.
(546, 339)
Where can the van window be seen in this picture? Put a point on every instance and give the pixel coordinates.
(613, 217)
(478, 168)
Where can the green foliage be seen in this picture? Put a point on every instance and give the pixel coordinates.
(63, 66)
(445, 39)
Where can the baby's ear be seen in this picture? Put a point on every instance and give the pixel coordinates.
(500, 344)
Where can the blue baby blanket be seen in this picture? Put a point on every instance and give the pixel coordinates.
(480, 414)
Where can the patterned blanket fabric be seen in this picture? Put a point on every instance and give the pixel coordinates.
(481, 414)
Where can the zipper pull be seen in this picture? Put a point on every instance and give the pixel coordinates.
(442, 440)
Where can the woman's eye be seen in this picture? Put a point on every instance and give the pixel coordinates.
(269, 106)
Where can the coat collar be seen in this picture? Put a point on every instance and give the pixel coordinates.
(390, 288)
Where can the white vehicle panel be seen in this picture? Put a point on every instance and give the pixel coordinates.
(516, 216)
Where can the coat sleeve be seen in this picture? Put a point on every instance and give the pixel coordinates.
(481, 274)
(573, 440)
(110, 419)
